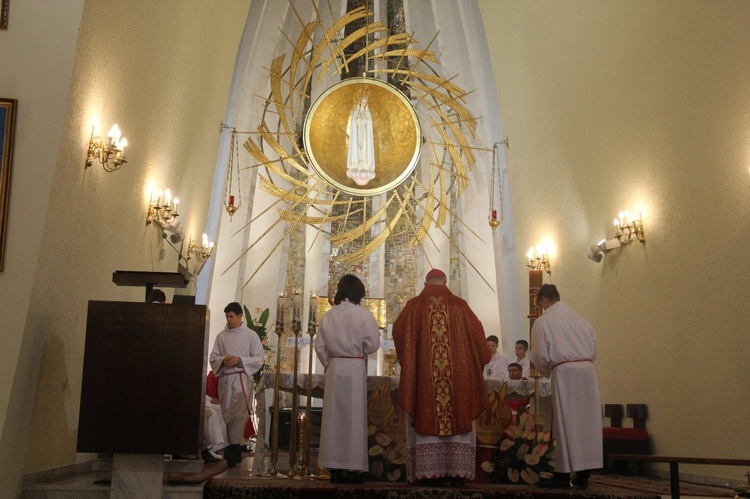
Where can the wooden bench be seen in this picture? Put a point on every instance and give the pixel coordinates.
(674, 471)
(619, 440)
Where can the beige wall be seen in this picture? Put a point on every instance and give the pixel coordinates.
(624, 104)
(38, 54)
(162, 71)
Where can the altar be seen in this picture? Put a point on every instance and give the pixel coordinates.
(386, 421)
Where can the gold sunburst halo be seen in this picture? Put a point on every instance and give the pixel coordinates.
(303, 151)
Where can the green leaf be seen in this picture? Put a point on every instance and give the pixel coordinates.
(248, 317)
(264, 317)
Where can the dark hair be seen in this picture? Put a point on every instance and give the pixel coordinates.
(233, 307)
(548, 291)
(523, 343)
(158, 295)
(349, 288)
(492, 337)
(515, 364)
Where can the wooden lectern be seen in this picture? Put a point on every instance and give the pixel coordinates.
(143, 387)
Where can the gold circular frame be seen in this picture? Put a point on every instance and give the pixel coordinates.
(396, 133)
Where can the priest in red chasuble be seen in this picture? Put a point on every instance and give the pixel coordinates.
(442, 351)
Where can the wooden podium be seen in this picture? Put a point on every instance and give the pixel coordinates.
(143, 386)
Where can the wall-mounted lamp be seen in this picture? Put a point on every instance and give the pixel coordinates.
(202, 252)
(596, 251)
(539, 259)
(626, 227)
(102, 152)
(163, 213)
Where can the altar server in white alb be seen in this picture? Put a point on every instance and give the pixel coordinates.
(497, 367)
(563, 348)
(237, 355)
(348, 334)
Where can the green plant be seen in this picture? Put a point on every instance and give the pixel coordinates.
(258, 324)
(523, 455)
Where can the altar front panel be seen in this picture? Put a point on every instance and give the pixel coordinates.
(386, 421)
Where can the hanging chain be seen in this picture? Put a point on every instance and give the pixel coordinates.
(234, 160)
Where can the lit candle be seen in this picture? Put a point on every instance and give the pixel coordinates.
(313, 316)
(114, 135)
(167, 198)
(176, 202)
(121, 145)
(158, 198)
(280, 312)
(494, 214)
(205, 241)
(231, 200)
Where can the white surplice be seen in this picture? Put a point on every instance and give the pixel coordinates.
(214, 429)
(236, 383)
(429, 456)
(563, 348)
(496, 368)
(347, 334)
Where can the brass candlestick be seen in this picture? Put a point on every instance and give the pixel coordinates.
(273, 473)
(296, 329)
(279, 330)
(303, 455)
(308, 409)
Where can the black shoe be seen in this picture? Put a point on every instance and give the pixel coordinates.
(581, 479)
(337, 476)
(457, 482)
(355, 478)
(558, 481)
(431, 482)
(233, 455)
(208, 458)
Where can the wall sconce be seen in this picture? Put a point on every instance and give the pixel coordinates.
(102, 152)
(539, 259)
(202, 252)
(627, 227)
(163, 214)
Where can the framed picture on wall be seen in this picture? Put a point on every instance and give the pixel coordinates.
(7, 126)
(4, 14)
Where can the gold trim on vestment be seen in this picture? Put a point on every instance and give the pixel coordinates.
(441, 366)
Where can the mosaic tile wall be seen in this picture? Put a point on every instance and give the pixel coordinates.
(400, 275)
(454, 272)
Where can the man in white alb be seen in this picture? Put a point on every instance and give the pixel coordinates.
(563, 348)
(497, 367)
(236, 356)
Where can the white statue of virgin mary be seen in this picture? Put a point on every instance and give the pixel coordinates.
(360, 161)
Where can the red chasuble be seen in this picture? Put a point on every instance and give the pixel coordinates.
(442, 351)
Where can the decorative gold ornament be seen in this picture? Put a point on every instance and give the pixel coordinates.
(497, 176)
(391, 128)
(232, 203)
(306, 168)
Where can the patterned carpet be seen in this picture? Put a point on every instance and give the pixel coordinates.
(265, 488)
